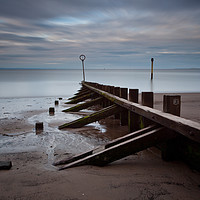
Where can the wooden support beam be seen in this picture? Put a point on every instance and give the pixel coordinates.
(83, 89)
(80, 99)
(122, 149)
(108, 145)
(84, 105)
(124, 113)
(133, 118)
(79, 95)
(106, 112)
(183, 126)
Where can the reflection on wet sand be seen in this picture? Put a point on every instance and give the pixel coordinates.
(22, 135)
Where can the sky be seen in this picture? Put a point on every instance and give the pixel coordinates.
(113, 34)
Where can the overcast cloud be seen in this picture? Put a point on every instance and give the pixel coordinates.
(111, 33)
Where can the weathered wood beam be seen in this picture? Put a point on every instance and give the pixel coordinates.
(183, 126)
(80, 94)
(84, 105)
(81, 91)
(131, 135)
(109, 144)
(80, 99)
(106, 112)
(123, 149)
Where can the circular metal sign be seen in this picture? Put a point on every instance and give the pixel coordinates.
(82, 57)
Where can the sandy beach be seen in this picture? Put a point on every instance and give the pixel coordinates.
(140, 176)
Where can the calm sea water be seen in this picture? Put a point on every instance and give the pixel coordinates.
(43, 83)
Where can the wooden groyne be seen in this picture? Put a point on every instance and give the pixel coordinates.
(175, 136)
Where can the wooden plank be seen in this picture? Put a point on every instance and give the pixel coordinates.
(183, 126)
(131, 135)
(80, 94)
(84, 105)
(81, 91)
(73, 158)
(106, 112)
(80, 99)
(109, 144)
(123, 149)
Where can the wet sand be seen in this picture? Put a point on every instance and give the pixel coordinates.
(141, 176)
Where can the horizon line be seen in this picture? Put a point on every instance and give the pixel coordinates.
(194, 68)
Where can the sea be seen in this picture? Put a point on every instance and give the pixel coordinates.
(48, 83)
(26, 95)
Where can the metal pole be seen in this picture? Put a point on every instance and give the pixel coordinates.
(83, 71)
(82, 58)
(152, 68)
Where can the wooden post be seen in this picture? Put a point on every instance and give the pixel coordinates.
(133, 118)
(172, 105)
(117, 93)
(56, 103)
(112, 89)
(109, 91)
(152, 68)
(124, 113)
(39, 127)
(105, 102)
(147, 100)
(51, 111)
(4, 165)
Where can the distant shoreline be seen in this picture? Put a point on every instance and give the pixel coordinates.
(175, 69)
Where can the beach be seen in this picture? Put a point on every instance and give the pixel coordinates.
(140, 176)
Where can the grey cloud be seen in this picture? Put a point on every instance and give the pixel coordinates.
(29, 9)
(39, 48)
(133, 30)
(122, 52)
(18, 38)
